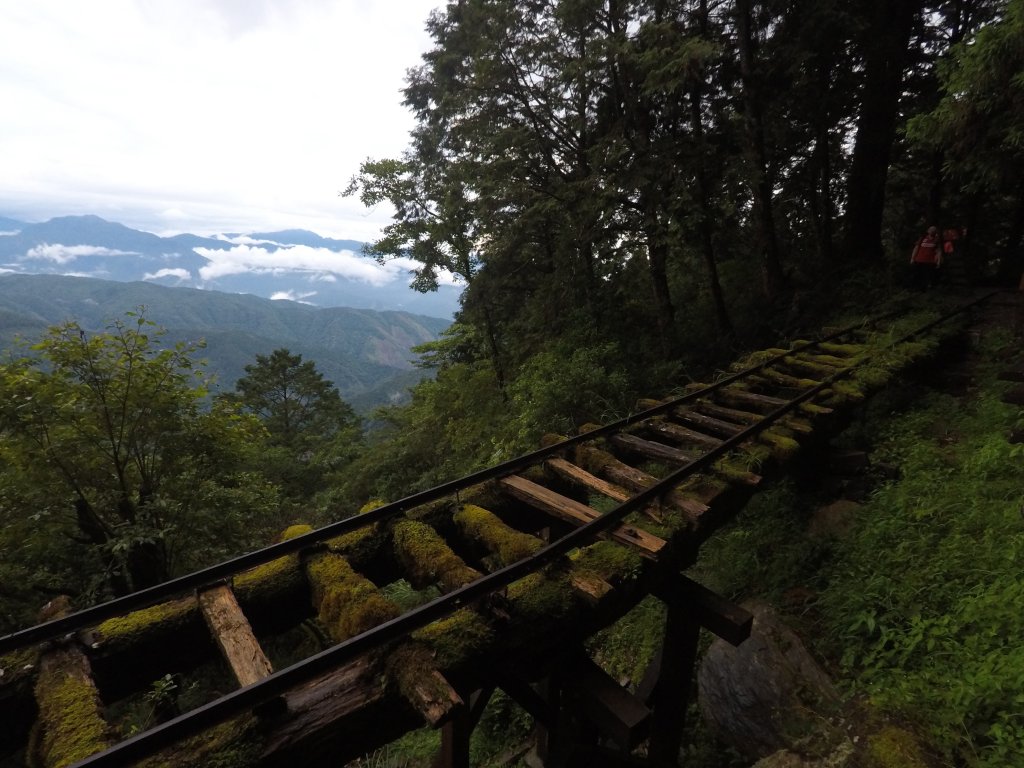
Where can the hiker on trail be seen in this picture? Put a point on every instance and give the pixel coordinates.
(926, 258)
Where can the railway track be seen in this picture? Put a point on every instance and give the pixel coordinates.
(525, 560)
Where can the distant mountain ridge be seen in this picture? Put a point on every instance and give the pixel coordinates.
(295, 263)
(365, 353)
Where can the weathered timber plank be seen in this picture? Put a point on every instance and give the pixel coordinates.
(616, 712)
(780, 379)
(340, 716)
(679, 433)
(807, 368)
(603, 463)
(707, 423)
(233, 635)
(579, 514)
(650, 449)
(728, 414)
(581, 477)
(766, 403)
(715, 613)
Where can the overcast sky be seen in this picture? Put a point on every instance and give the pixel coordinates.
(203, 115)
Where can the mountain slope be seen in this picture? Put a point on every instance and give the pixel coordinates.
(360, 350)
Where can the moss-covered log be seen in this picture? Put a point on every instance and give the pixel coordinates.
(427, 559)
(70, 726)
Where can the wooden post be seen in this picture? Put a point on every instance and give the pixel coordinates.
(689, 607)
(457, 731)
(671, 692)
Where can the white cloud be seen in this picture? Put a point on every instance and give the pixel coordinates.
(292, 296)
(181, 274)
(9, 234)
(300, 258)
(444, 277)
(64, 254)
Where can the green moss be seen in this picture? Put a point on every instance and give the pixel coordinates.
(734, 471)
(234, 744)
(456, 639)
(508, 544)
(842, 350)
(783, 446)
(294, 531)
(829, 360)
(541, 596)
(842, 392)
(360, 546)
(412, 670)
(609, 561)
(264, 581)
(70, 723)
(157, 620)
(18, 666)
(347, 602)
(894, 747)
(813, 409)
(427, 559)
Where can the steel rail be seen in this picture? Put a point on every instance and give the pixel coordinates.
(146, 743)
(87, 617)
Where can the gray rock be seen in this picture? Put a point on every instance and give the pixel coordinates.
(768, 694)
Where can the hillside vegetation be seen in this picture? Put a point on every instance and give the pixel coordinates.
(366, 354)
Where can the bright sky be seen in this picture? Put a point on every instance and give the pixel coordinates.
(203, 115)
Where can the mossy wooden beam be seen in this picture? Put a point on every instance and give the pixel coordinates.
(70, 726)
(18, 673)
(427, 559)
(774, 378)
(715, 426)
(348, 604)
(505, 544)
(677, 433)
(650, 449)
(728, 414)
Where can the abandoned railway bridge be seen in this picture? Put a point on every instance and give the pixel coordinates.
(529, 558)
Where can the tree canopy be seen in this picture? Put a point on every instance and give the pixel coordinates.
(111, 462)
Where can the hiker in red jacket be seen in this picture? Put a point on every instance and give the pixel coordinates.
(926, 258)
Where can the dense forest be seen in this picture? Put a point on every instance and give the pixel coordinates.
(632, 193)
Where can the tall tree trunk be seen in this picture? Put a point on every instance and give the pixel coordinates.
(657, 268)
(763, 209)
(886, 54)
(704, 226)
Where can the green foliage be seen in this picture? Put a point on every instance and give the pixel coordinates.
(313, 433)
(113, 472)
(626, 648)
(929, 642)
(561, 388)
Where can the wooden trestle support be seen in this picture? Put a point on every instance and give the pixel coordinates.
(526, 638)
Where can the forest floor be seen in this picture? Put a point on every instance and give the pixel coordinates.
(896, 558)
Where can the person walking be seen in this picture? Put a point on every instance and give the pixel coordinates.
(926, 258)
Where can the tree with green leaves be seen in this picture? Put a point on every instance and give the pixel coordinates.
(977, 125)
(106, 440)
(311, 430)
